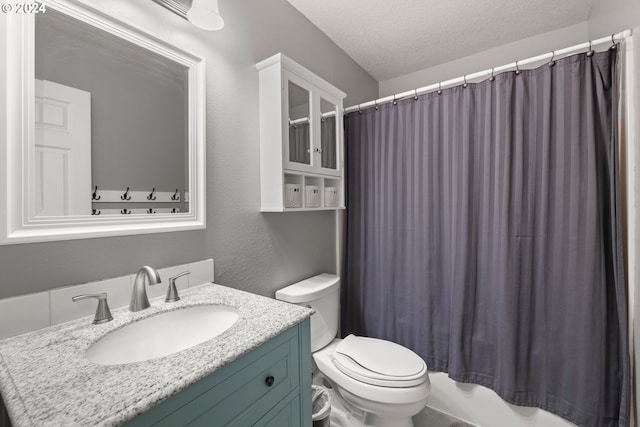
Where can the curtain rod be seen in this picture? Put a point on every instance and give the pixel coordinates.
(481, 75)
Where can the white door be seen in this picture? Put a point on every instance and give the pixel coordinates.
(62, 158)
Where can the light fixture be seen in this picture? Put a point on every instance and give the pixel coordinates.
(203, 14)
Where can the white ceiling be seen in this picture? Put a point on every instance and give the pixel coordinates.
(390, 38)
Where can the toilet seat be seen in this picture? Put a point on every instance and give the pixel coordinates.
(379, 362)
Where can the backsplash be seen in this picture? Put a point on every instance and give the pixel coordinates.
(29, 312)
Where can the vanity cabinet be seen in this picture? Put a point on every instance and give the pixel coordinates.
(269, 386)
(301, 138)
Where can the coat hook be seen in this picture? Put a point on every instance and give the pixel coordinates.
(95, 196)
(151, 196)
(125, 211)
(552, 62)
(95, 212)
(176, 195)
(126, 195)
(151, 210)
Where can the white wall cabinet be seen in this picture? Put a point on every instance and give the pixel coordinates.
(301, 138)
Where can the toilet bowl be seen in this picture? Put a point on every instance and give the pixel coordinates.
(377, 383)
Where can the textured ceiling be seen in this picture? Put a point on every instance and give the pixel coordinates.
(390, 38)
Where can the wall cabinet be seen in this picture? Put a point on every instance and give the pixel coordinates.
(301, 138)
(270, 386)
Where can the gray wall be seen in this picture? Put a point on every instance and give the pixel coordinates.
(252, 251)
(501, 55)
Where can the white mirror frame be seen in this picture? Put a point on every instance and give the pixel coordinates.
(17, 118)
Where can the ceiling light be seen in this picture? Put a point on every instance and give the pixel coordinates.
(204, 14)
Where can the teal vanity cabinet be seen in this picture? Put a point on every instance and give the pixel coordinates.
(269, 386)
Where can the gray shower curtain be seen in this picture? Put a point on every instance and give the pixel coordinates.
(483, 232)
(299, 143)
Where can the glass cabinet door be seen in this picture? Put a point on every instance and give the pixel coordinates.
(328, 135)
(299, 125)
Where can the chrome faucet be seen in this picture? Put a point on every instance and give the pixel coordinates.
(103, 314)
(139, 299)
(172, 292)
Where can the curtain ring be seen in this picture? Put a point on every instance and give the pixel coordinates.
(492, 77)
(439, 88)
(517, 69)
(590, 53)
(416, 94)
(614, 46)
(552, 62)
(465, 81)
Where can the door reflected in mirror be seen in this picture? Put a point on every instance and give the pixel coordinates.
(110, 118)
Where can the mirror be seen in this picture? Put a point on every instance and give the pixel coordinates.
(328, 135)
(108, 114)
(107, 126)
(299, 125)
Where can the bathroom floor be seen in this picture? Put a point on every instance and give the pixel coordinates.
(431, 418)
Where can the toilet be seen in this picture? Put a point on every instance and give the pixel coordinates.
(374, 383)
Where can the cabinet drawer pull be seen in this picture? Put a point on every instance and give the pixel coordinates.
(270, 380)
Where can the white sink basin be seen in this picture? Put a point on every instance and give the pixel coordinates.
(162, 334)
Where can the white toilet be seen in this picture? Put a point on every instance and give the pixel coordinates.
(376, 382)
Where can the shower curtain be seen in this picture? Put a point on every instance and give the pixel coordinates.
(483, 232)
(299, 143)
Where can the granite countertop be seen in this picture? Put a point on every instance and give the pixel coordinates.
(46, 380)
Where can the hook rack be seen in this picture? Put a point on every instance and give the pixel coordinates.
(125, 211)
(138, 196)
(126, 195)
(95, 196)
(151, 211)
(95, 212)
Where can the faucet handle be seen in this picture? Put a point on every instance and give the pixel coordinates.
(172, 292)
(103, 314)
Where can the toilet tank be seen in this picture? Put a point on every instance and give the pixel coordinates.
(322, 293)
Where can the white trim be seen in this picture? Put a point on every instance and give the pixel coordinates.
(16, 224)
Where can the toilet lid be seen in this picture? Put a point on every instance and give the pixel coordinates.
(379, 362)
